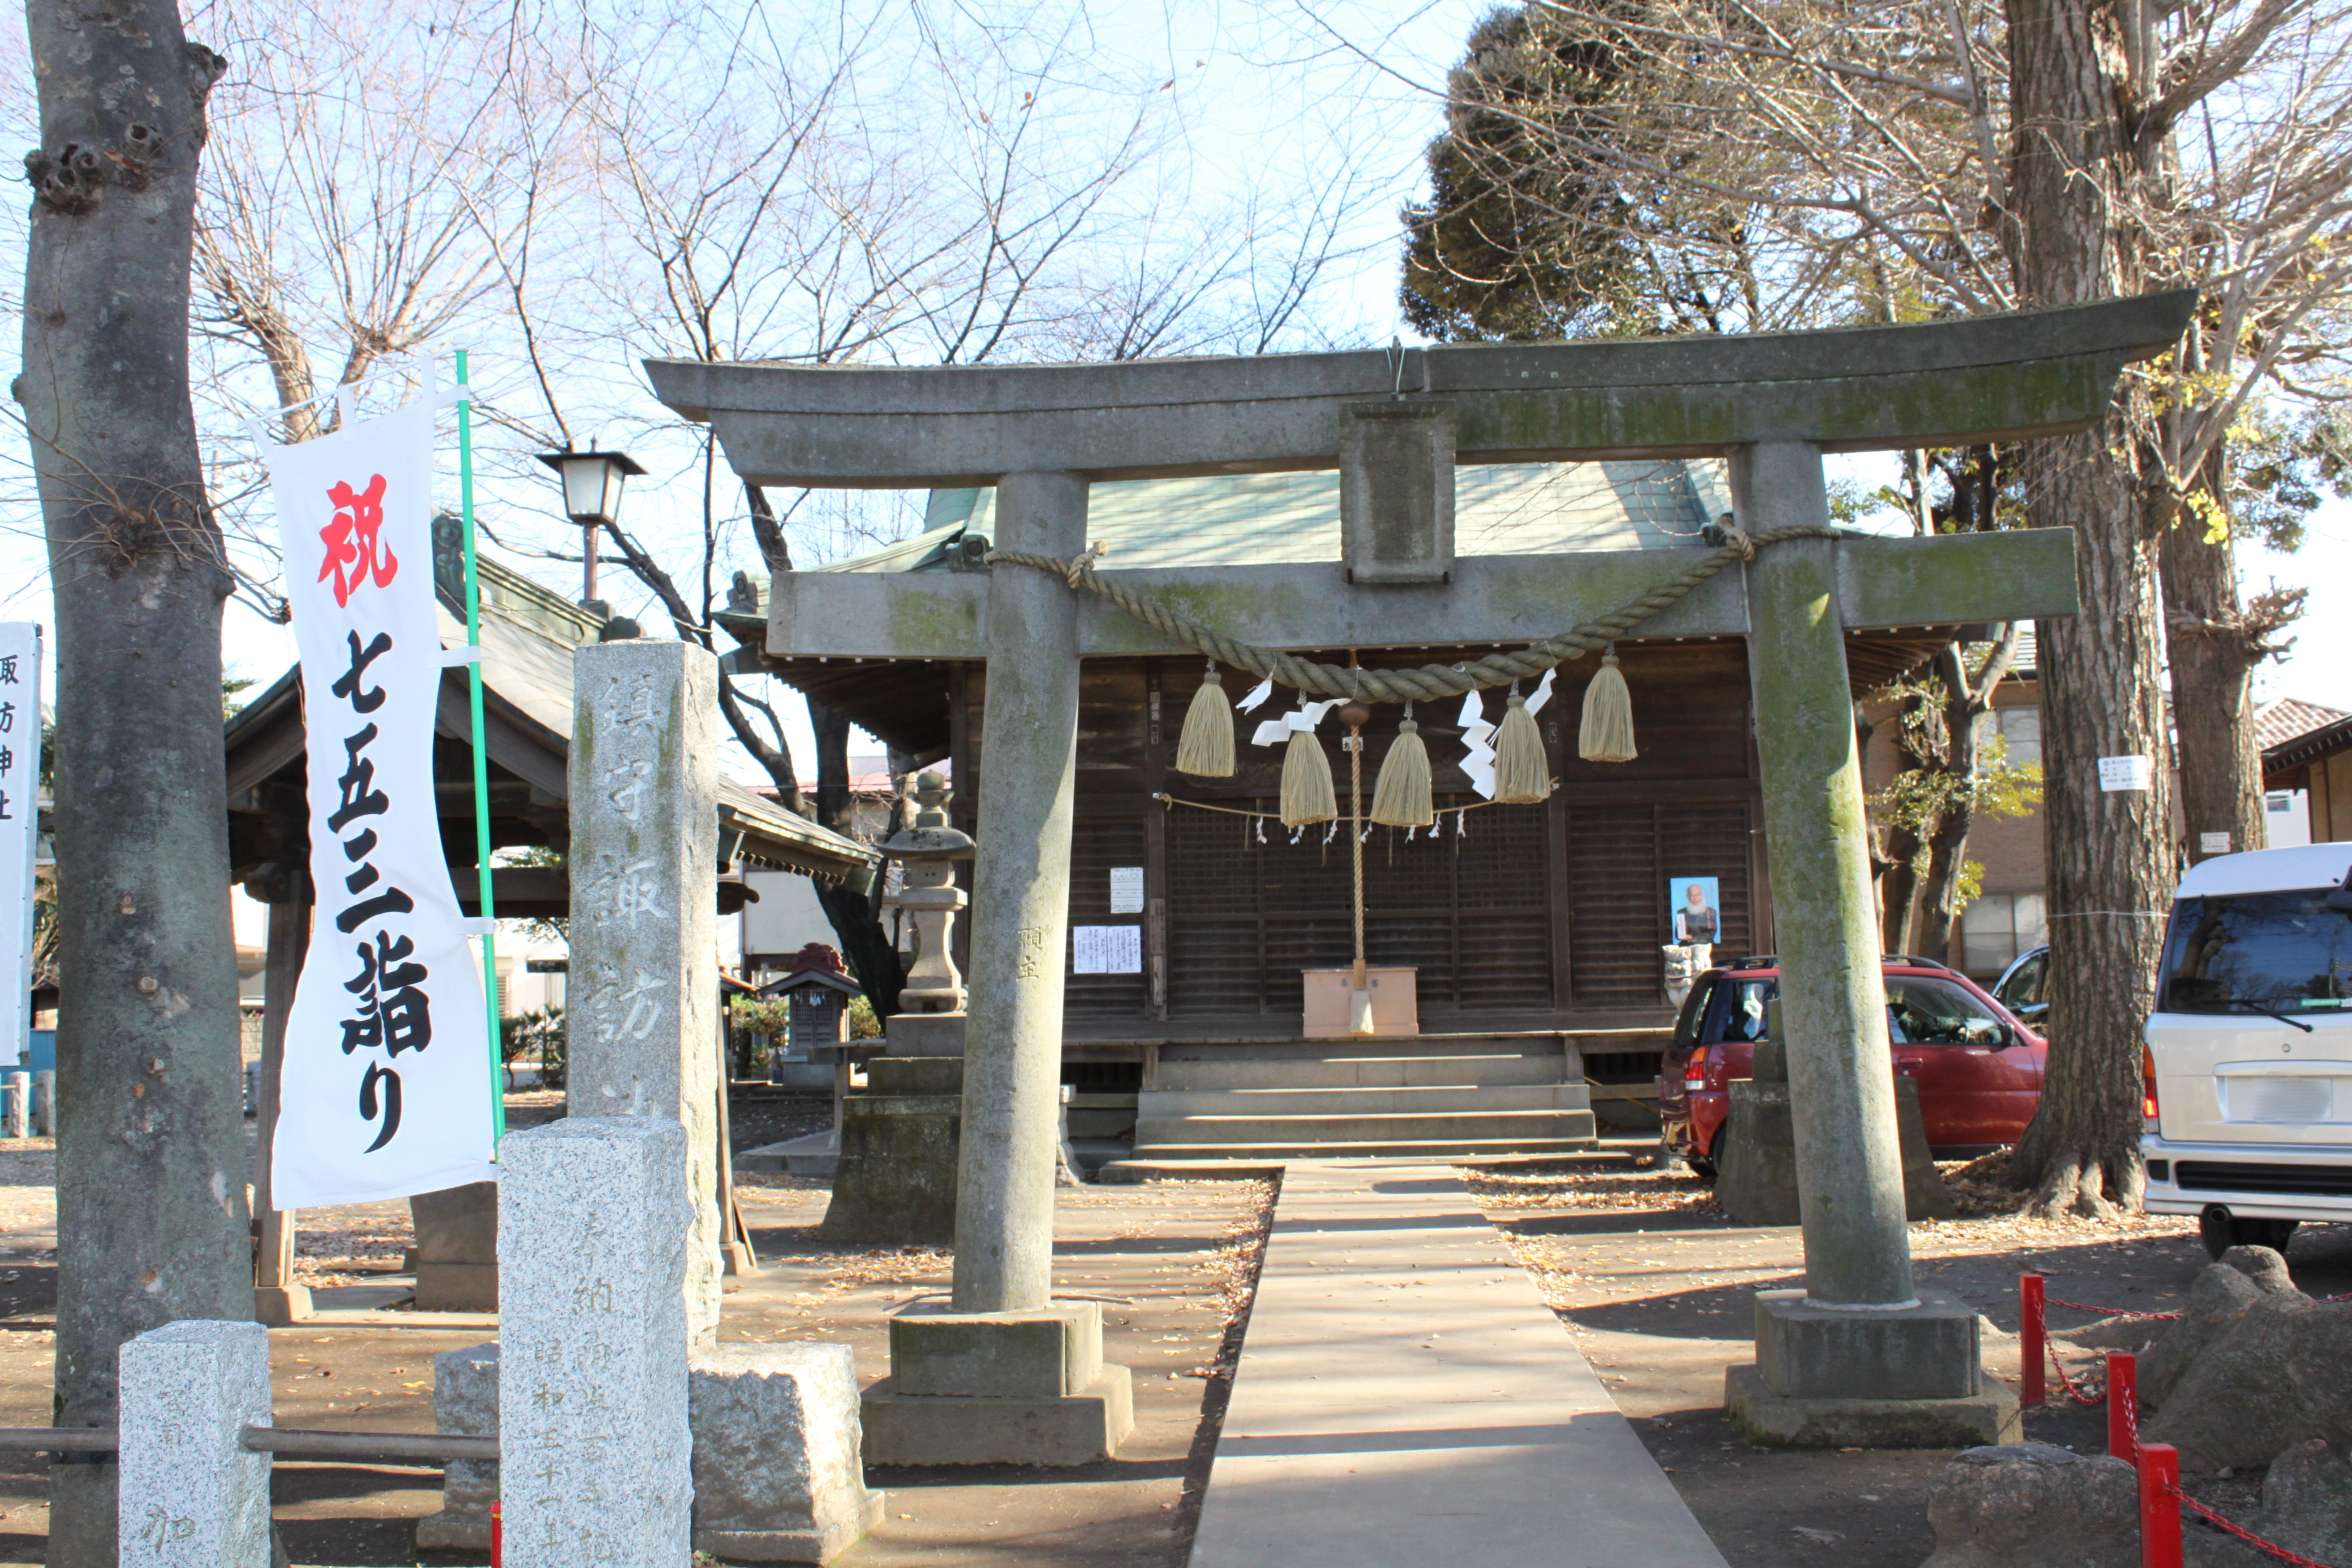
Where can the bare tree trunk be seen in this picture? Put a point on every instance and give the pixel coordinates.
(1898, 889)
(151, 1214)
(856, 915)
(2212, 657)
(1965, 700)
(2110, 854)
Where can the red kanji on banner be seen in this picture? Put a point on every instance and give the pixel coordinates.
(355, 551)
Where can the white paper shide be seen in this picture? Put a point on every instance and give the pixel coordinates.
(20, 789)
(386, 1088)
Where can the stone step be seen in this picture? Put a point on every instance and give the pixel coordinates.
(1415, 1099)
(1239, 1155)
(1308, 1131)
(1248, 1166)
(1355, 1068)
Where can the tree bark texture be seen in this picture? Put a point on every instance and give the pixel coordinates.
(2110, 854)
(856, 915)
(151, 1208)
(2212, 653)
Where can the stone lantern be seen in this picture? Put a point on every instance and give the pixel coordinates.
(930, 1019)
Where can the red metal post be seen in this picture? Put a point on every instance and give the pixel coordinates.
(2033, 1359)
(2123, 1406)
(2160, 1523)
(497, 1538)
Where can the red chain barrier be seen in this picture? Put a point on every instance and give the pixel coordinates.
(2114, 1312)
(2123, 1406)
(2089, 1401)
(2032, 1386)
(2272, 1548)
(497, 1537)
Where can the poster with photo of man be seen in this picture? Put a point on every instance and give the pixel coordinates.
(1696, 910)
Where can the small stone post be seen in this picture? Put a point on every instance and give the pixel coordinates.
(644, 867)
(465, 1400)
(1859, 1356)
(45, 1103)
(595, 1457)
(20, 1105)
(1003, 1373)
(1020, 907)
(188, 1489)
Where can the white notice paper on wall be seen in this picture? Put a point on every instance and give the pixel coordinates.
(2125, 773)
(1106, 950)
(1126, 890)
(2213, 843)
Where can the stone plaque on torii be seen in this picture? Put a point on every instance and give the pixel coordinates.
(1860, 1339)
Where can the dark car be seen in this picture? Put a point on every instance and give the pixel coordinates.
(1978, 1068)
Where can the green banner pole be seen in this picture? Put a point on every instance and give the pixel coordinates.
(473, 596)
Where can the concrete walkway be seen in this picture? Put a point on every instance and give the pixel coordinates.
(1406, 1400)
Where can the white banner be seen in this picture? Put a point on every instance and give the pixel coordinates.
(20, 810)
(386, 1088)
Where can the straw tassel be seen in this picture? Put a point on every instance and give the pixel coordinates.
(1205, 749)
(1606, 734)
(1522, 777)
(1307, 795)
(1401, 799)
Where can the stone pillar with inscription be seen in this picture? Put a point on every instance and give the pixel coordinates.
(1004, 1374)
(188, 1489)
(595, 1457)
(644, 873)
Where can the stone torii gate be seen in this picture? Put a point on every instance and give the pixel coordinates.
(1860, 1354)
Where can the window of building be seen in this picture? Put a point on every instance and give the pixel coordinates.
(2020, 730)
(1999, 926)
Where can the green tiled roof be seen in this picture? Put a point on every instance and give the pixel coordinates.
(1258, 519)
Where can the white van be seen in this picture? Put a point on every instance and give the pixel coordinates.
(2249, 1051)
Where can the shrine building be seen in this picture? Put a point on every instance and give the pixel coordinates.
(1534, 935)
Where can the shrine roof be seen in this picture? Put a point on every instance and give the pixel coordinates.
(1267, 519)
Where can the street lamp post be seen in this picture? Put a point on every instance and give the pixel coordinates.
(592, 498)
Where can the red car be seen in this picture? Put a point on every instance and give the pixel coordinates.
(1979, 1070)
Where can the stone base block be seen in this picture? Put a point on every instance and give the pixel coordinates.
(779, 1468)
(281, 1306)
(1756, 1167)
(785, 1546)
(1078, 1429)
(1045, 1354)
(465, 1402)
(895, 1184)
(925, 1034)
(456, 1287)
(1806, 1351)
(1784, 1421)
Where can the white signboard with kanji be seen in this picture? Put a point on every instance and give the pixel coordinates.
(386, 1088)
(20, 811)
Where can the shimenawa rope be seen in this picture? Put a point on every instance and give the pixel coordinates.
(1420, 683)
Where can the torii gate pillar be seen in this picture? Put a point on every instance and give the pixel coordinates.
(1003, 1373)
(1860, 1355)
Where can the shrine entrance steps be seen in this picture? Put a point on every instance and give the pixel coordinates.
(1444, 1099)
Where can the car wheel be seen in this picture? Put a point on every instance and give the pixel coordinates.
(2220, 1230)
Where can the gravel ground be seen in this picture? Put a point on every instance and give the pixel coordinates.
(1173, 1264)
(1656, 1287)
